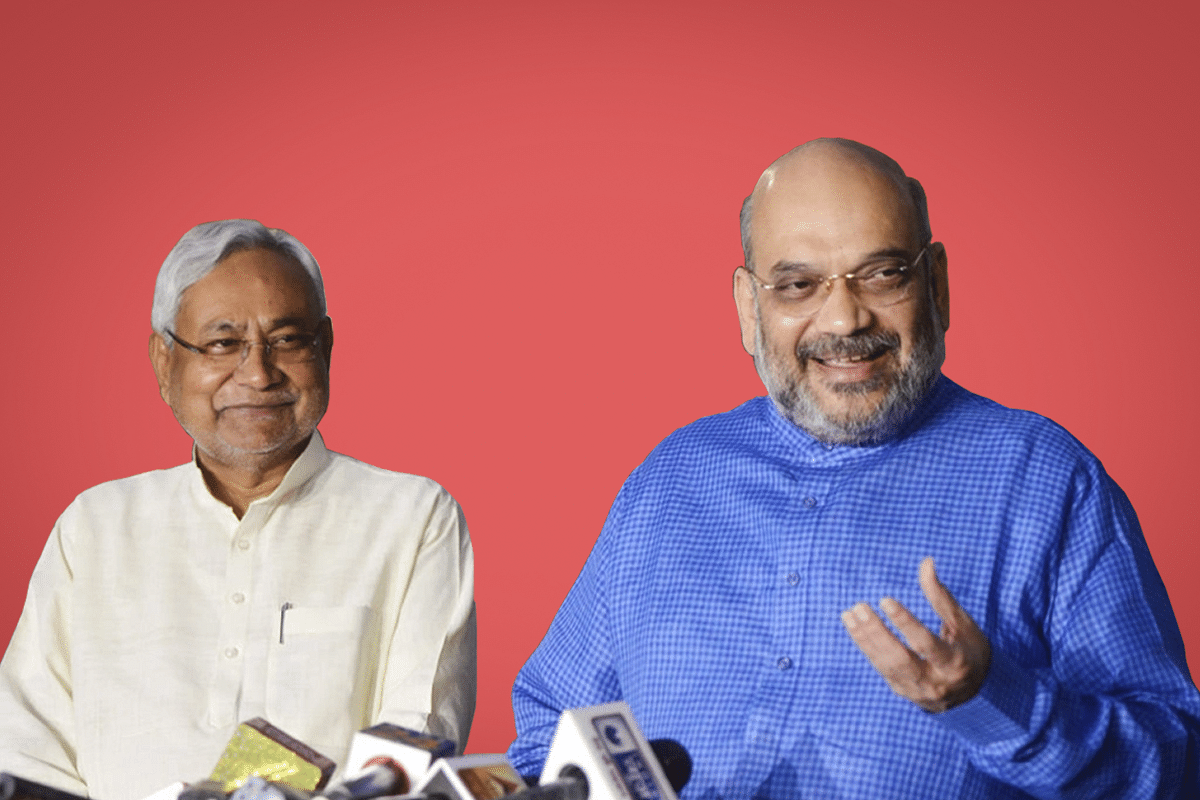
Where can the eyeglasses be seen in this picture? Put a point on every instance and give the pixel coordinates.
(283, 348)
(879, 283)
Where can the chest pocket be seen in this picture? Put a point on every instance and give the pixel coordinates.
(319, 676)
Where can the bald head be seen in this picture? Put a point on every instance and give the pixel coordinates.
(830, 163)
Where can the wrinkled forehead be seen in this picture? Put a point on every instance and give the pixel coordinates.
(251, 282)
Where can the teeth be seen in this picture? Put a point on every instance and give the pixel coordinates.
(846, 359)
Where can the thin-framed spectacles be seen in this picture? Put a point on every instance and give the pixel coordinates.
(879, 283)
(282, 348)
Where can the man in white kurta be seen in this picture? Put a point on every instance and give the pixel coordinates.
(314, 590)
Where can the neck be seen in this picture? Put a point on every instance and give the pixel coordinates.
(240, 481)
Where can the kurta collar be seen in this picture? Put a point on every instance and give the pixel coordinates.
(813, 451)
(308, 464)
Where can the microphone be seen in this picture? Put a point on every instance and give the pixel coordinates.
(599, 753)
(258, 788)
(14, 788)
(672, 757)
(411, 752)
(675, 761)
(380, 776)
(475, 777)
(200, 790)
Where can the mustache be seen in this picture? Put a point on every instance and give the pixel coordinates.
(829, 345)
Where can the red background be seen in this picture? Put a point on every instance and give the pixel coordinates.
(526, 214)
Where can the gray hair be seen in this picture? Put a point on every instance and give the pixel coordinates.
(208, 244)
(881, 161)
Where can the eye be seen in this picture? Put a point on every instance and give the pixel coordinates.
(797, 286)
(220, 347)
(884, 276)
(290, 341)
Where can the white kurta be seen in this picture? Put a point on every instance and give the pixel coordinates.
(156, 621)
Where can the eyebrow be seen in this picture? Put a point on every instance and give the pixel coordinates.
(883, 252)
(225, 325)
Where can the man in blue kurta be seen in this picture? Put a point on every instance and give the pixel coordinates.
(1024, 644)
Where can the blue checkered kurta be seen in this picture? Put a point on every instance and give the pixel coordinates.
(711, 604)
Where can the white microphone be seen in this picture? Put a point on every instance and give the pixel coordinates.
(604, 747)
(474, 777)
(412, 752)
(380, 776)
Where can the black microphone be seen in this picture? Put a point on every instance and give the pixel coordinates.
(672, 757)
(14, 788)
(675, 761)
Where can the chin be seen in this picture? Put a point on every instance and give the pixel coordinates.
(267, 447)
(860, 413)
(865, 413)
(248, 451)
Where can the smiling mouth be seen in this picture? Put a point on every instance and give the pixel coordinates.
(849, 352)
(256, 408)
(851, 360)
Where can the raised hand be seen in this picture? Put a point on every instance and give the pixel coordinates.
(935, 672)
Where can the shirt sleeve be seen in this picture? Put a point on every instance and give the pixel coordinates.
(573, 667)
(37, 724)
(430, 675)
(1116, 714)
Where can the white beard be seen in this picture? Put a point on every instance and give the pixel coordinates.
(796, 402)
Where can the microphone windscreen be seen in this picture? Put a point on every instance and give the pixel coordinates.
(381, 777)
(259, 748)
(202, 790)
(14, 788)
(674, 760)
(255, 788)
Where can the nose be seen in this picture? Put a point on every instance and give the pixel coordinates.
(257, 369)
(842, 313)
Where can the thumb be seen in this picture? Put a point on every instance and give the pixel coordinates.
(947, 608)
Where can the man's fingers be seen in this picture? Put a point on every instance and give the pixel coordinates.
(877, 643)
(902, 668)
(920, 639)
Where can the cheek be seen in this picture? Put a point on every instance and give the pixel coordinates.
(784, 333)
(311, 380)
(312, 388)
(913, 329)
(194, 390)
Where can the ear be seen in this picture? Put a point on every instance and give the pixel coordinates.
(940, 283)
(743, 297)
(160, 358)
(325, 330)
